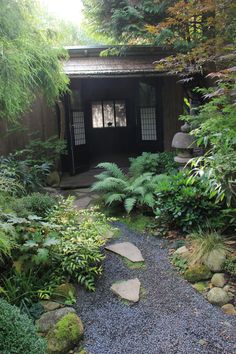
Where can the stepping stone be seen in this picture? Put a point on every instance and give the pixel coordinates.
(82, 203)
(127, 289)
(127, 250)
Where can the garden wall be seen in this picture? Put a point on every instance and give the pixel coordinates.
(40, 122)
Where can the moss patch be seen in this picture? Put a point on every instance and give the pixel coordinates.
(200, 286)
(134, 265)
(139, 223)
(68, 326)
(197, 273)
(66, 334)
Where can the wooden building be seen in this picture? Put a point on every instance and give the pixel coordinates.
(119, 106)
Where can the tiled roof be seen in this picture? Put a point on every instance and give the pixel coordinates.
(88, 63)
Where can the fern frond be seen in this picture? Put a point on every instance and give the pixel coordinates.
(109, 184)
(141, 180)
(114, 197)
(112, 169)
(129, 204)
(148, 199)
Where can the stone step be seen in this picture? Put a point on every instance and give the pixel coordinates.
(127, 250)
(127, 289)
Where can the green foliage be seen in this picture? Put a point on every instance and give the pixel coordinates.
(154, 163)
(180, 263)
(139, 223)
(129, 192)
(68, 327)
(30, 59)
(81, 238)
(203, 243)
(215, 130)
(229, 265)
(185, 206)
(25, 175)
(36, 203)
(41, 151)
(21, 288)
(6, 244)
(17, 332)
(124, 20)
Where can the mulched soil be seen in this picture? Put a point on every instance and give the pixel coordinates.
(171, 317)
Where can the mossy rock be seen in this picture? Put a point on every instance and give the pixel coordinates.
(64, 291)
(197, 273)
(65, 335)
(201, 286)
(53, 179)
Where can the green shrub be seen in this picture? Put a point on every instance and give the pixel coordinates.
(158, 163)
(117, 188)
(82, 234)
(25, 288)
(65, 245)
(48, 150)
(22, 172)
(229, 265)
(180, 263)
(186, 206)
(7, 243)
(17, 332)
(35, 203)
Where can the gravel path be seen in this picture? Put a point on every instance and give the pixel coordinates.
(170, 318)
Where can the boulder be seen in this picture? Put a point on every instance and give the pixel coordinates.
(65, 291)
(50, 305)
(61, 328)
(218, 280)
(182, 252)
(229, 309)
(197, 273)
(65, 335)
(215, 259)
(218, 296)
(53, 179)
(48, 319)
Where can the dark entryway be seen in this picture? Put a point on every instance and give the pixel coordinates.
(111, 119)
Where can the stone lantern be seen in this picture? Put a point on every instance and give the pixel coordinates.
(184, 144)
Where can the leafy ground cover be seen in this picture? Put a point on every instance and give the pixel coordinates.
(47, 245)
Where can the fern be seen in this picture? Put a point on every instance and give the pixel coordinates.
(115, 197)
(129, 204)
(116, 188)
(112, 169)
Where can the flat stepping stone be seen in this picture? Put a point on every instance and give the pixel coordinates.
(127, 289)
(127, 250)
(82, 203)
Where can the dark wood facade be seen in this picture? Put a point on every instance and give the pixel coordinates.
(143, 106)
(113, 142)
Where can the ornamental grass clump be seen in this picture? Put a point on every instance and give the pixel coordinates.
(206, 244)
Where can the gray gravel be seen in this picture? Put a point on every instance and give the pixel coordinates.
(170, 318)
